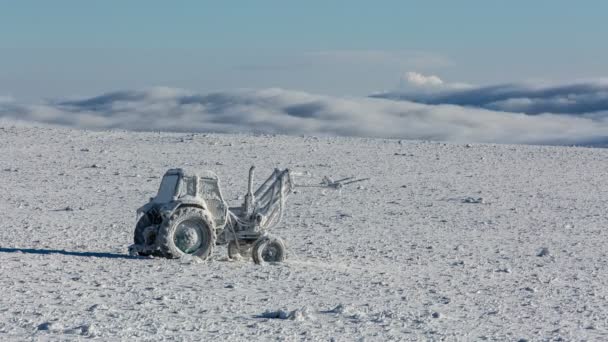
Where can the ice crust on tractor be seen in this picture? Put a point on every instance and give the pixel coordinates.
(189, 216)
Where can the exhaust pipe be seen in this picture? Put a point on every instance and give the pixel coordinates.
(249, 198)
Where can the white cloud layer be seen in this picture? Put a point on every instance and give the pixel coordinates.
(583, 98)
(291, 112)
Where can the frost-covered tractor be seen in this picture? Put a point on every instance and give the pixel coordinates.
(188, 216)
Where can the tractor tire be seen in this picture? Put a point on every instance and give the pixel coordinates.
(269, 249)
(242, 251)
(139, 237)
(189, 231)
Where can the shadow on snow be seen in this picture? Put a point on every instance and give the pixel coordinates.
(64, 252)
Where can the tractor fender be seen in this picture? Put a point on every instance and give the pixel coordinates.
(170, 208)
(144, 208)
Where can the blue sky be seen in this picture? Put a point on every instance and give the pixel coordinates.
(71, 48)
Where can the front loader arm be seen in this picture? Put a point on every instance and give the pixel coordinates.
(270, 198)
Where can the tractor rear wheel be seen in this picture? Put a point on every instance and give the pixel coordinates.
(269, 249)
(189, 231)
(140, 238)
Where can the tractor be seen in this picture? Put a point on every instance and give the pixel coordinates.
(188, 216)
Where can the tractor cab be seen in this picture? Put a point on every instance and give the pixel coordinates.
(198, 189)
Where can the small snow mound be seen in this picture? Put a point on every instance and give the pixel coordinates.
(383, 316)
(543, 252)
(476, 200)
(348, 311)
(96, 307)
(190, 259)
(303, 314)
(84, 330)
(89, 330)
(49, 326)
(342, 309)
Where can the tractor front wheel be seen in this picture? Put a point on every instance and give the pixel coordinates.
(269, 249)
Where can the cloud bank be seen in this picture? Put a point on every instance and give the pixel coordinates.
(291, 112)
(584, 98)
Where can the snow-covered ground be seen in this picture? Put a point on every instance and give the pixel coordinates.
(412, 254)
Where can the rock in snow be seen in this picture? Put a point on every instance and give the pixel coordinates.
(543, 252)
(295, 315)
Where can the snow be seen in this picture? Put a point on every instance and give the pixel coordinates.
(445, 241)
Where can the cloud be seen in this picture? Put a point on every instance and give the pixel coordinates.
(416, 83)
(420, 80)
(291, 112)
(581, 98)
